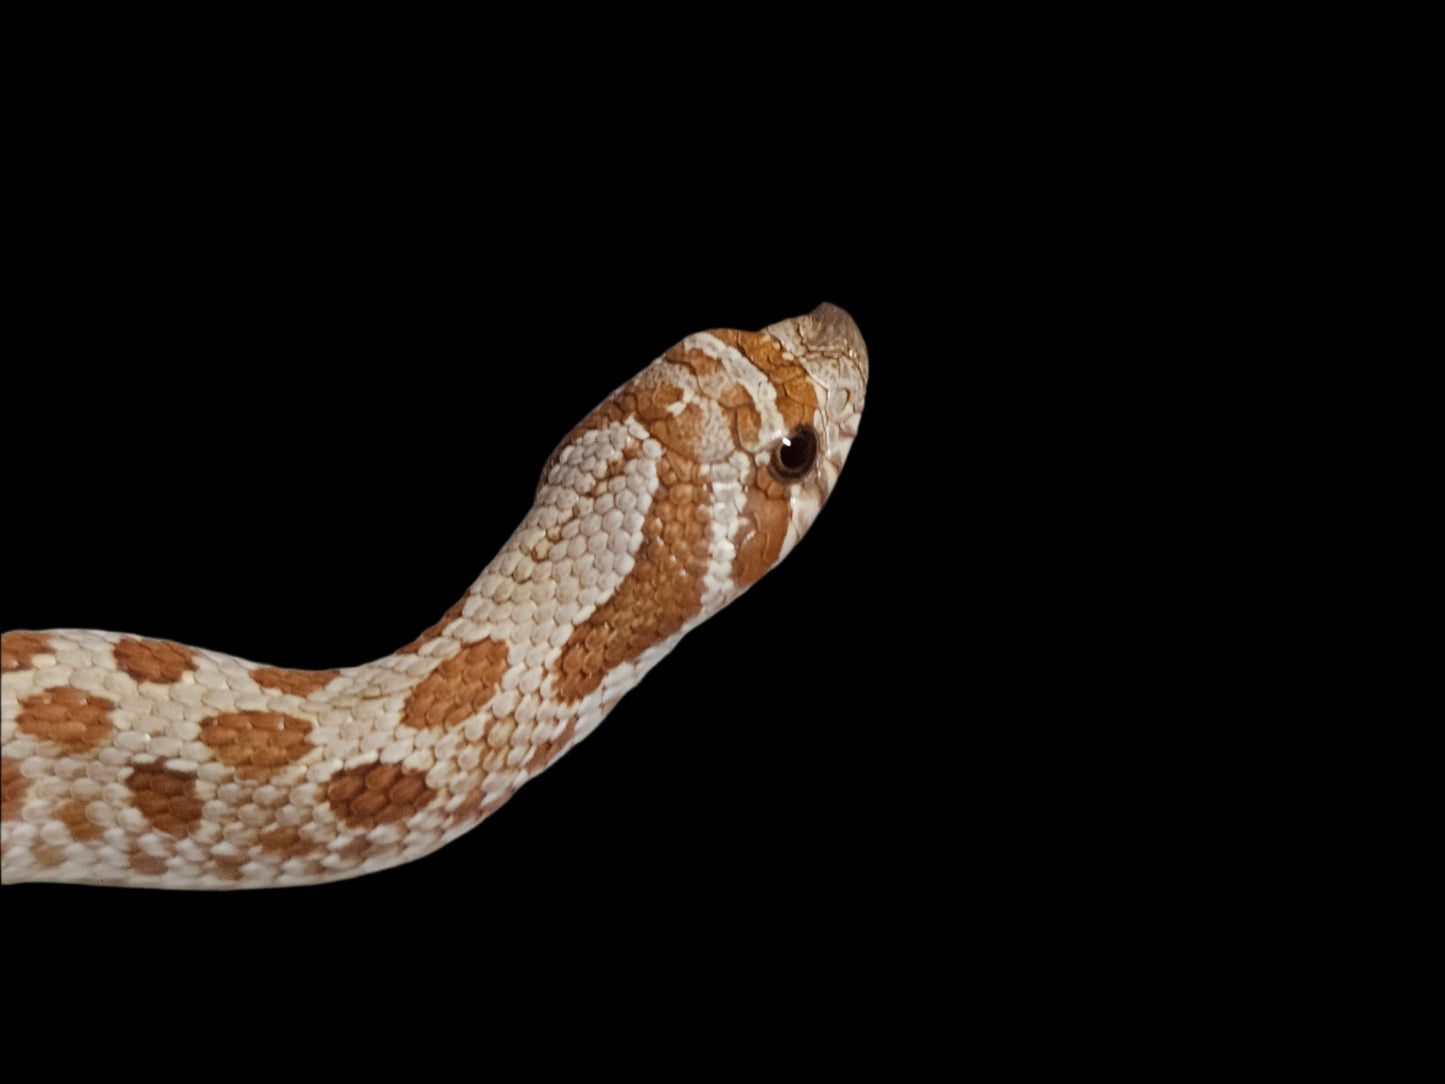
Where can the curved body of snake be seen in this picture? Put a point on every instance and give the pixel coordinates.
(133, 761)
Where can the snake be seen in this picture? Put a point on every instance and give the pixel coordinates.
(133, 761)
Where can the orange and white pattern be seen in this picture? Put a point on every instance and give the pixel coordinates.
(132, 761)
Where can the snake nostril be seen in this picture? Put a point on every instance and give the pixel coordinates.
(795, 454)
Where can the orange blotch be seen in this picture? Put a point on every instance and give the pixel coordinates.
(288, 842)
(469, 811)
(458, 688)
(46, 856)
(373, 794)
(797, 398)
(679, 432)
(734, 397)
(652, 399)
(296, 682)
(358, 847)
(737, 403)
(72, 814)
(763, 528)
(228, 867)
(13, 786)
(153, 660)
(663, 590)
(167, 798)
(477, 807)
(545, 752)
(18, 648)
(147, 864)
(256, 743)
(312, 867)
(700, 363)
(77, 720)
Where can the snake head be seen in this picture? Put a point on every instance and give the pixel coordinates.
(707, 467)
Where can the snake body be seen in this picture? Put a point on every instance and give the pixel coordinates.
(136, 761)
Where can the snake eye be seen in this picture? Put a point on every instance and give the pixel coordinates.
(795, 454)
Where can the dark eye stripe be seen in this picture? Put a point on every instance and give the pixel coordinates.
(795, 454)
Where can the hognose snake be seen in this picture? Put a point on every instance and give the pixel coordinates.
(134, 761)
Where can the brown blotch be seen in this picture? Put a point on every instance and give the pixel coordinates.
(288, 842)
(373, 794)
(544, 752)
(358, 847)
(13, 786)
(738, 403)
(147, 864)
(77, 720)
(361, 847)
(762, 531)
(701, 364)
(735, 396)
(72, 815)
(166, 797)
(256, 743)
(297, 682)
(228, 867)
(457, 689)
(796, 396)
(679, 432)
(477, 807)
(436, 630)
(46, 856)
(18, 648)
(153, 660)
(313, 867)
(469, 811)
(657, 597)
(651, 398)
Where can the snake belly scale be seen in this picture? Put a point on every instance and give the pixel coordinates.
(142, 762)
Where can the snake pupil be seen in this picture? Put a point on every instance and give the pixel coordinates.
(795, 454)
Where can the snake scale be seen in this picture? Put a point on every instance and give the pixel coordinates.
(142, 762)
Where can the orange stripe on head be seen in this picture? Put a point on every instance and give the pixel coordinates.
(659, 595)
(796, 397)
